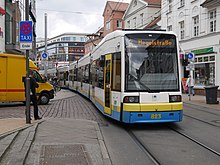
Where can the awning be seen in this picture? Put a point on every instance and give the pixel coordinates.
(2, 11)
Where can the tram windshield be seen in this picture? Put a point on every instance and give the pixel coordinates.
(151, 63)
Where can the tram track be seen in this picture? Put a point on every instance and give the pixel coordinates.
(202, 108)
(203, 121)
(143, 147)
(138, 136)
(195, 141)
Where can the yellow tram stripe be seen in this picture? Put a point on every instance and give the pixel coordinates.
(153, 107)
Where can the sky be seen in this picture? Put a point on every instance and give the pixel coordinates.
(77, 16)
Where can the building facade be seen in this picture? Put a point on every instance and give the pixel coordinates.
(62, 49)
(93, 40)
(113, 14)
(12, 19)
(141, 13)
(113, 20)
(197, 24)
(11, 13)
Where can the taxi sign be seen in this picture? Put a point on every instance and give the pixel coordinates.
(26, 31)
(26, 35)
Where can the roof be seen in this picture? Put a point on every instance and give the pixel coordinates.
(153, 2)
(116, 6)
(146, 3)
(153, 23)
(208, 3)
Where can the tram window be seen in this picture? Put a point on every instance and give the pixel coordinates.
(93, 73)
(79, 77)
(99, 74)
(75, 74)
(86, 74)
(116, 71)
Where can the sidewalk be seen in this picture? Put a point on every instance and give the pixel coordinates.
(73, 140)
(8, 125)
(199, 100)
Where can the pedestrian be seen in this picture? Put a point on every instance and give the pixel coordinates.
(33, 97)
(190, 84)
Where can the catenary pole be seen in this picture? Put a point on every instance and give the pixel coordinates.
(46, 61)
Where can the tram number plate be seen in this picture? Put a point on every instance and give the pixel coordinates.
(156, 116)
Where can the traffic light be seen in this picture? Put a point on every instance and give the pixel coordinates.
(185, 60)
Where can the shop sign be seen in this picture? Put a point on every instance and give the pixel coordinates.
(203, 51)
(2, 11)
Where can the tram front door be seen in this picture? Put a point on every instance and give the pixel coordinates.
(107, 85)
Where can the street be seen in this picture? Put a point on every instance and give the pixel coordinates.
(73, 131)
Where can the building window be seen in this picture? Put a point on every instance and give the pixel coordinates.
(107, 25)
(82, 39)
(119, 23)
(212, 21)
(135, 23)
(196, 25)
(182, 3)
(181, 24)
(135, 3)
(129, 24)
(170, 6)
(65, 39)
(142, 19)
(169, 28)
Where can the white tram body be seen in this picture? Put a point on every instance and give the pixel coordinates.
(63, 74)
(73, 83)
(133, 77)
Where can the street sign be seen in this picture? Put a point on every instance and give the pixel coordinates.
(26, 32)
(190, 66)
(190, 56)
(25, 45)
(44, 55)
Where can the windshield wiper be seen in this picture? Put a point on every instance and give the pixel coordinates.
(145, 87)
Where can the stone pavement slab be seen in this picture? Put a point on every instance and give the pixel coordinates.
(68, 141)
(7, 125)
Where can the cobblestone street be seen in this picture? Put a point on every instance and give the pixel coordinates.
(67, 105)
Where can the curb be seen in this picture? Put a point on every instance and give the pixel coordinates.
(103, 147)
(19, 129)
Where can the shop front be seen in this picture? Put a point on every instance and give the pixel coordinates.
(204, 69)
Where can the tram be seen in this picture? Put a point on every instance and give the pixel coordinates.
(63, 76)
(132, 76)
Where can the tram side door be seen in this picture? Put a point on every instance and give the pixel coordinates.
(107, 84)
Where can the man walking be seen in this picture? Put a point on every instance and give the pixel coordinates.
(33, 97)
(190, 84)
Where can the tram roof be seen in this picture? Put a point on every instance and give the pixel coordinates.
(120, 33)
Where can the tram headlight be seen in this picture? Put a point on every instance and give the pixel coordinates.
(131, 99)
(175, 98)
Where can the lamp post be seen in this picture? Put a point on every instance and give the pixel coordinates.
(28, 116)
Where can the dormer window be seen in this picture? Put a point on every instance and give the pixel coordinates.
(135, 3)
